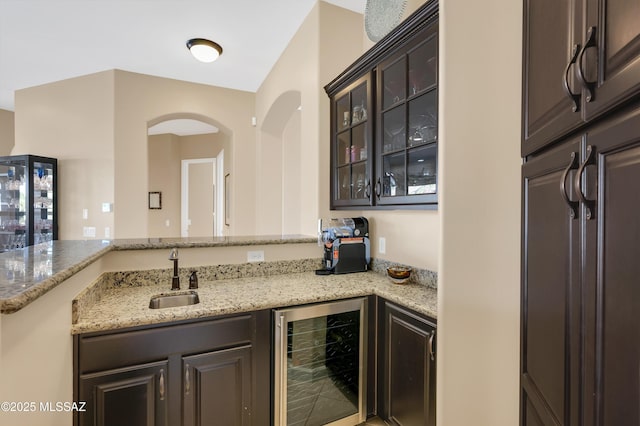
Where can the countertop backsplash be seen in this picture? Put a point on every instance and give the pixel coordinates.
(161, 278)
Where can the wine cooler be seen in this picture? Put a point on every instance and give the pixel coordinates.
(320, 364)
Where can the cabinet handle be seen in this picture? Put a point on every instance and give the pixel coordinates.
(573, 205)
(187, 380)
(367, 190)
(378, 188)
(589, 204)
(575, 97)
(161, 384)
(588, 85)
(432, 353)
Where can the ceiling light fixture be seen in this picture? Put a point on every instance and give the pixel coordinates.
(204, 50)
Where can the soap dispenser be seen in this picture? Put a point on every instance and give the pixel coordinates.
(193, 280)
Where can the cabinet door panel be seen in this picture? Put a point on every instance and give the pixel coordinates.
(133, 396)
(617, 55)
(613, 293)
(549, 34)
(409, 368)
(550, 297)
(217, 388)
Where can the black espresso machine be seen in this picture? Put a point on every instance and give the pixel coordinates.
(346, 245)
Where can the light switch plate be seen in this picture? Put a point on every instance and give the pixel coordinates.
(89, 231)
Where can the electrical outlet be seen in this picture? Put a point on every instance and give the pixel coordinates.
(382, 245)
(107, 207)
(255, 256)
(89, 231)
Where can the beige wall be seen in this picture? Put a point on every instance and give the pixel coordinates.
(36, 353)
(479, 157)
(7, 132)
(164, 176)
(141, 99)
(73, 121)
(315, 55)
(96, 126)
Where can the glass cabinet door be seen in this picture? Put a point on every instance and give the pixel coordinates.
(351, 147)
(27, 201)
(319, 364)
(408, 104)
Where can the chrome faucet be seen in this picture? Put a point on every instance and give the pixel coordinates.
(175, 281)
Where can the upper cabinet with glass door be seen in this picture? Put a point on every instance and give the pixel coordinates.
(351, 167)
(385, 151)
(408, 126)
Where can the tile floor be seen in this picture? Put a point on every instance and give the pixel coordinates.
(375, 421)
(319, 398)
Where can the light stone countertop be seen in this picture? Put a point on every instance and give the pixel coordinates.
(27, 274)
(128, 306)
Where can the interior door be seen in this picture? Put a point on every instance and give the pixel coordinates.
(198, 198)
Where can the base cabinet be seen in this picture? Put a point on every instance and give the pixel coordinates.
(127, 396)
(408, 373)
(217, 388)
(197, 373)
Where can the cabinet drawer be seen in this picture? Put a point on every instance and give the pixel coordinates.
(117, 349)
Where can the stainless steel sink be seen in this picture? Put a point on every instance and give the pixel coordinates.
(173, 300)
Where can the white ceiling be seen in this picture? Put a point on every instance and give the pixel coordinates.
(42, 41)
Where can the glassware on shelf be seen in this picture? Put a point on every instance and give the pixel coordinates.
(27, 201)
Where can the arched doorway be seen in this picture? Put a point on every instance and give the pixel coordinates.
(186, 165)
(279, 161)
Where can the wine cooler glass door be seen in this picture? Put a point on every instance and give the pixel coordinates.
(319, 364)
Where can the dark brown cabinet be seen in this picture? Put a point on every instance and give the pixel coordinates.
(384, 120)
(580, 324)
(217, 388)
(135, 395)
(407, 152)
(580, 340)
(551, 289)
(352, 148)
(215, 371)
(408, 369)
(581, 60)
